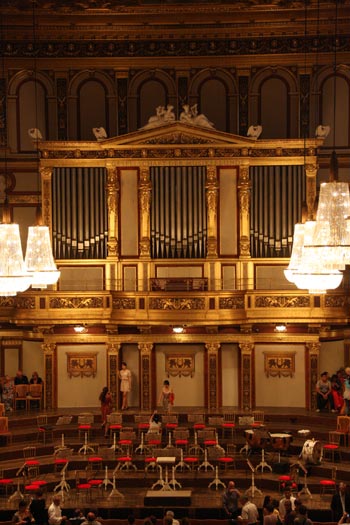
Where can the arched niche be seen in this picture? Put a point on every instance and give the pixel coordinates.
(147, 90)
(215, 92)
(322, 105)
(31, 104)
(90, 85)
(274, 103)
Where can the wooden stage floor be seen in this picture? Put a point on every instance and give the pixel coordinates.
(205, 502)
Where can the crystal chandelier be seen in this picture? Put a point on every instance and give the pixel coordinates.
(39, 258)
(14, 276)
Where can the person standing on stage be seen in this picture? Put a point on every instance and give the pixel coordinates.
(125, 384)
(166, 397)
(346, 393)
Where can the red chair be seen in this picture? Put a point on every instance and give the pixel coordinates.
(5, 482)
(333, 446)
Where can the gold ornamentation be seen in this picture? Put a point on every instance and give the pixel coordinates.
(113, 247)
(179, 365)
(231, 303)
(124, 303)
(76, 302)
(282, 302)
(279, 364)
(81, 365)
(335, 301)
(145, 245)
(176, 303)
(212, 247)
(244, 246)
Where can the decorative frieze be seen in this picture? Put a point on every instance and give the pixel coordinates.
(124, 303)
(177, 303)
(76, 302)
(231, 303)
(267, 301)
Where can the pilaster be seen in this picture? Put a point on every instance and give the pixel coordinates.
(244, 188)
(311, 374)
(146, 382)
(311, 172)
(50, 372)
(246, 400)
(213, 375)
(212, 192)
(113, 196)
(46, 192)
(112, 371)
(145, 188)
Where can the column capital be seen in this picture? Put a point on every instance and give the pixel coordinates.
(145, 348)
(246, 348)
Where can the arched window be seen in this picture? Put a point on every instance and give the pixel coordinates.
(339, 125)
(31, 113)
(92, 109)
(152, 93)
(274, 108)
(213, 103)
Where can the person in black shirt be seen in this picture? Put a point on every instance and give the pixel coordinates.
(38, 509)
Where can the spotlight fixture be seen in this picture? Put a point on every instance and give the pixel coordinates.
(178, 329)
(80, 329)
(280, 328)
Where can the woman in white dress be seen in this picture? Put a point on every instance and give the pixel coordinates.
(125, 384)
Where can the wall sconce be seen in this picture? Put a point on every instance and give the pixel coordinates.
(80, 329)
(178, 329)
(280, 328)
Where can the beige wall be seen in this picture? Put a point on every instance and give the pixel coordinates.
(230, 384)
(189, 391)
(80, 392)
(331, 356)
(33, 358)
(280, 391)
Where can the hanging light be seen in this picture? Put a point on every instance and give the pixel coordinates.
(39, 259)
(14, 276)
(322, 247)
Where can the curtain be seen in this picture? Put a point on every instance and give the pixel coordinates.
(79, 213)
(178, 212)
(278, 193)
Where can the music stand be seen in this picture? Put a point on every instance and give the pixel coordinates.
(305, 490)
(264, 437)
(252, 489)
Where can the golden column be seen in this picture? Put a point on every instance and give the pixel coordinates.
(145, 189)
(311, 374)
(244, 188)
(46, 199)
(113, 196)
(146, 393)
(50, 374)
(311, 172)
(212, 191)
(213, 375)
(113, 371)
(247, 377)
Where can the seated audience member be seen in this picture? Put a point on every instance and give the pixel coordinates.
(249, 512)
(301, 517)
(271, 518)
(340, 503)
(155, 422)
(20, 378)
(78, 517)
(8, 386)
(35, 379)
(337, 393)
(290, 514)
(324, 393)
(23, 515)
(170, 514)
(91, 519)
(287, 497)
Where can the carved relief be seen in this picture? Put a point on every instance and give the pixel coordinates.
(146, 393)
(50, 373)
(76, 302)
(335, 301)
(176, 303)
(124, 303)
(282, 302)
(213, 354)
(246, 378)
(231, 303)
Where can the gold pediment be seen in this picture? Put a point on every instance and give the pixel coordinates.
(177, 133)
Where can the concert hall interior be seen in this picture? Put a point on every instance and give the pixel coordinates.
(181, 156)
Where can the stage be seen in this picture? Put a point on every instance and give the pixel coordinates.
(194, 498)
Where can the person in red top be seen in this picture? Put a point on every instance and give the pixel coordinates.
(106, 405)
